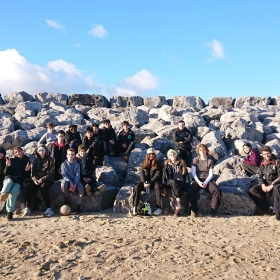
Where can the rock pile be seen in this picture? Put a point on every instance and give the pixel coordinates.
(224, 125)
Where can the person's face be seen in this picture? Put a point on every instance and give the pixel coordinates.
(1, 155)
(60, 137)
(73, 129)
(89, 134)
(125, 127)
(266, 155)
(50, 129)
(95, 129)
(18, 153)
(82, 153)
(151, 156)
(173, 156)
(70, 156)
(202, 152)
(181, 126)
(246, 149)
(107, 125)
(42, 153)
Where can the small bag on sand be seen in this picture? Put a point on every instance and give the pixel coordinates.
(144, 208)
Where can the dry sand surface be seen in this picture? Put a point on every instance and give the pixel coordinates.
(117, 246)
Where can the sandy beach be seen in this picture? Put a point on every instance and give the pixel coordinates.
(117, 246)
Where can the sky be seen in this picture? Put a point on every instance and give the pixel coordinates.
(205, 48)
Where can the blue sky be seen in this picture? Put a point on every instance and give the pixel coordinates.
(147, 48)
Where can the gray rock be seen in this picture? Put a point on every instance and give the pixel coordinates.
(6, 123)
(275, 146)
(275, 100)
(217, 101)
(228, 162)
(29, 106)
(123, 201)
(230, 117)
(48, 97)
(14, 98)
(107, 175)
(202, 131)
(59, 107)
(140, 134)
(82, 109)
(20, 116)
(159, 143)
(193, 102)
(119, 165)
(93, 100)
(240, 102)
(165, 111)
(273, 123)
(193, 120)
(154, 125)
(272, 136)
(167, 131)
(122, 101)
(16, 138)
(71, 116)
(239, 145)
(155, 102)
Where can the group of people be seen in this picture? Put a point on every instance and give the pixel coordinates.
(66, 157)
(62, 156)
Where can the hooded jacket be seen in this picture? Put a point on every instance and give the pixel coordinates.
(126, 137)
(254, 159)
(89, 166)
(70, 136)
(269, 171)
(71, 171)
(43, 168)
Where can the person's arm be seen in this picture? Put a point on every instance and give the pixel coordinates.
(77, 174)
(156, 177)
(210, 176)
(43, 139)
(50, 172)
(178, 137)
(64, 173)
(252, 159)
(188, 138)
(194, 174)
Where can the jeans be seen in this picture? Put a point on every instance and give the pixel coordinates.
(79, 188)
(14, 190)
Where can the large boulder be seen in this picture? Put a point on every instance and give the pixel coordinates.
(14, 98)
(6, 123)
(16, 138)
(217, 101)
(93, 100)
(48, 97)
(122, 101)
(107, 175)
(275, 100)
(155, 102)
(193, 102)
(193, 120)
(30, 106)
(71, 116)
(240, 102)
(158, 143)
(275, 146)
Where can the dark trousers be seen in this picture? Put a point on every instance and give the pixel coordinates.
(261, 198)
(178, 189)
(44, 189)
(97, 154)
(212, 188)
(186, 156)
(92, 184)
(140, 187)
(250, 169)
(127, 150)
(111, 149)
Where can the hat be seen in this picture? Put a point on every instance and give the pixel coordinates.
(151, 151)
(41, 149)
(171, 152)
(2, 150)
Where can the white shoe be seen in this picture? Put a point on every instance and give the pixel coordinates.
(26, 212)
(158, 212)
(49, 212)
(134, 211)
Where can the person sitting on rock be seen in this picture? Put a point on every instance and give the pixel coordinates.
(49, 137)
(269, 184)
(110, 138)
(183, 140)
(73, 137)
(126, 140)
(43, 175)
(150, 177)
(94, 144)
(71, 175)
(202, 171)
(2, 165)
(58, 152)
(252, 161)
(17, 169)
(175, 175)
(88, 179)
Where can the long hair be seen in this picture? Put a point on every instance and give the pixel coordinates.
(153, 164)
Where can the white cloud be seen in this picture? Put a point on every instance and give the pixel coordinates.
(18, 74)
(77, 45)
(217, 49)
(54, 24)
(98, 31)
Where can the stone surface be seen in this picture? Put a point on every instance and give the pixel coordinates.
(93, 100)
(217, 101)
(14, 98)
(193, 102)
(240, 102)
(155, 102)
(121, 101)
(48, 97)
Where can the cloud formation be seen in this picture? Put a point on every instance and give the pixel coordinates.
(217, 49)
(54, 24)
(98, 31)
(18, 74)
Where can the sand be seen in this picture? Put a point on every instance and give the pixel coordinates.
(117, 246)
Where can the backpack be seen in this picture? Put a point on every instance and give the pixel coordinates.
(144, 208)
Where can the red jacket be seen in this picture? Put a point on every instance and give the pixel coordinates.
(254, 159)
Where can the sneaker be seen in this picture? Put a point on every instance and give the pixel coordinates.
(78, 210)
(102, 188)
(88, 190)
(26, 212)
(158, 212)
(214, 213)
(49, 212)
(4, 196)
(10, 216)
(269, 211)
(125, 158)
(277, 217)
(134, 211)
(193, 214)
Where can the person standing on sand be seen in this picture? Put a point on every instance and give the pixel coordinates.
(269, 184)
(202, 171)
(150, 177)
(175, 175)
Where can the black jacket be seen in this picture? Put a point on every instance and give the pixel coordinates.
(151, 175)
(109, 134)
(184, 136)
(269, 171)
(167, 173)
(69, 136)
(126, 137)
(16, 171)
(58, 153)
(94, 142)
(89, 167)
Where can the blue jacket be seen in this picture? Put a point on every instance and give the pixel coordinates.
(71, 171)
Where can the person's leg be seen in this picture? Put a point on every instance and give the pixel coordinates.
(259, 196)
(194, 189)
(65, 189)
(11, 201)
(276, 199)
(7, 184)
(216, 195)
(136, 193)
(110, 151)
(29, 193)
(80, 190)
(250, 169)
(176, 190)
(158, 192)
(44, 188)
(129, 148)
